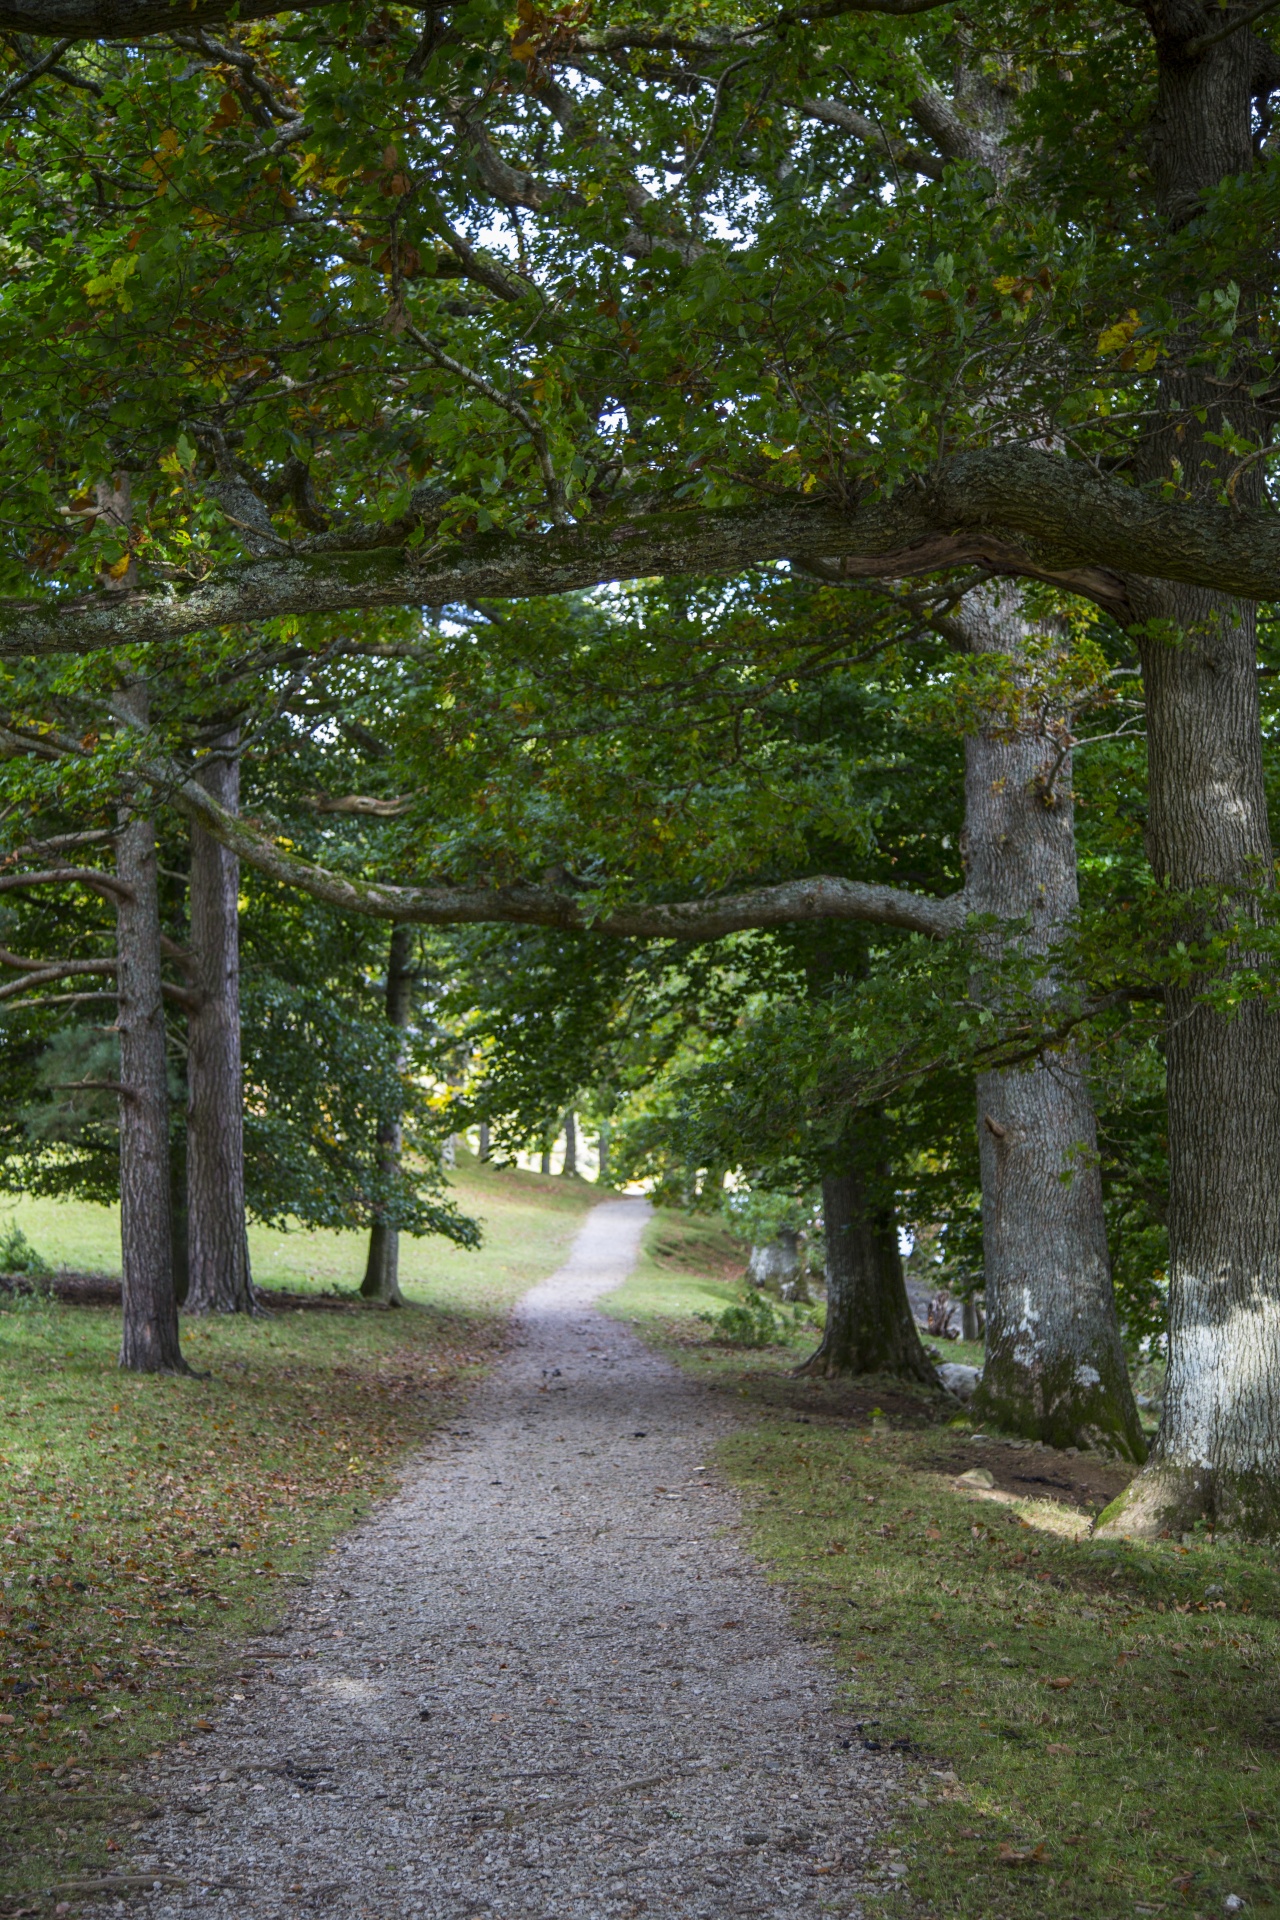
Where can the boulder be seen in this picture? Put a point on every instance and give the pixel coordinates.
(958, 1379)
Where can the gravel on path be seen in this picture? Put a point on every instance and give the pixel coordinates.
(545, 1679)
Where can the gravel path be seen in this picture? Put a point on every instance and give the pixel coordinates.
(544, 1679)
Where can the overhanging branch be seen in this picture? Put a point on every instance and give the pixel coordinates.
(1013, 510)
(822, 897)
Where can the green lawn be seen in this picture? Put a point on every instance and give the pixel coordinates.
(1090, 1730)
(149, 1524)
(523, 1216)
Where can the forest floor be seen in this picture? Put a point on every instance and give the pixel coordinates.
(148, 1525)
(1093, 1728)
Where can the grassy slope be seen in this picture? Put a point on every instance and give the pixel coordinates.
(148, 1524)
(1095, 1728)
(87, 1238)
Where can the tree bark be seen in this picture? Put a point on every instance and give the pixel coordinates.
(544, 1165)
(570, 1167)
(178, 1213)
(603, 1143)
(149, 1336)
(1217, 1453)
(484, 1152)
(220, 1279)
(1055, 1368)
(869, 1325)
(382, 1269)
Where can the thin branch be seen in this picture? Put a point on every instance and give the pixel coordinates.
(60, 843)
(66, 877)
(1194, 48)
(41, 66)
(58, 1000)
(556, 499)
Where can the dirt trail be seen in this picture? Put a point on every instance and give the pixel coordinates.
(544, 1679)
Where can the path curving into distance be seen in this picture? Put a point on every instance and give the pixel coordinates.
(545, 1679)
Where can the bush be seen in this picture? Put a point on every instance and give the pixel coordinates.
(17, 1255)
(758, 1320)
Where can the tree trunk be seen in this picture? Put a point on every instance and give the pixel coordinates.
(149, 1335)
(570, 1168)
(484, 1142)
(869, 1326)
(178, 1212)
(602, 1150)
(1054, 1369)
(544, 1165)
(217, 1238)
(382, 1269)
(1217, 1454)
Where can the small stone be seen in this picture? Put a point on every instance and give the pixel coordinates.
(959, 1380)
(1233, 1904)
(977, 1477)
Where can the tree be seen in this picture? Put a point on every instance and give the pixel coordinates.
(822, 341)
(219, 1279)
(382, 1269)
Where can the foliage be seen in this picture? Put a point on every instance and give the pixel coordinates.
(756, 1320)
(17, 1255)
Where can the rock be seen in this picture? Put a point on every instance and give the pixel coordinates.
(777, 1264)
(958, 1379)
(976, 1477)
(1233, 1904)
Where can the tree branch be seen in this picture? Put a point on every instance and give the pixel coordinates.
(66, 877)
(1012, 510)
(820, 898)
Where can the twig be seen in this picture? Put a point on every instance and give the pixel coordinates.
(712, 123)
(480, 384)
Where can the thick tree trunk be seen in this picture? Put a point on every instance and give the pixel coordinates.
(1217, 1454)
(382, 1269)
(869, 1325)
(149, 1336)
(220, 1280)
(1055, 1368)
(544, 1165)
(570, 1167)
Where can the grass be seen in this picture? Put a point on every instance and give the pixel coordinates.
(150, 1524)
(521, 1213)
(1089, 1729)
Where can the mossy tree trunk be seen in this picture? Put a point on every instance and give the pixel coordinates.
(869, 1324)
(1055, 1368)
(1217, 1453)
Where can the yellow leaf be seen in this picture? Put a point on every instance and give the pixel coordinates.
(170, 142)
(121, 566)
(1119, 333)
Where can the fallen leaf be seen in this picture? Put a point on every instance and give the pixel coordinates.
(1061, 1683)
(1056, 1746)
(1021, 1856)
